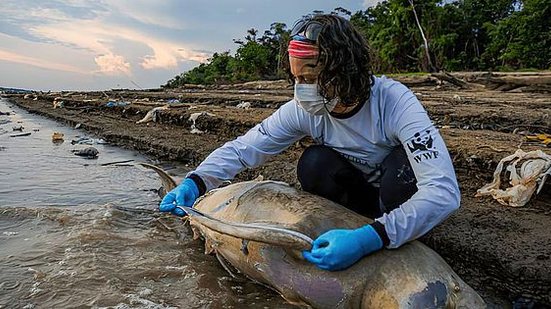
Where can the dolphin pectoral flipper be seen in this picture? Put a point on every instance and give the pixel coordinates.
(234, 273)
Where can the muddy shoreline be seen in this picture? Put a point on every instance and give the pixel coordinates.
(503, 251)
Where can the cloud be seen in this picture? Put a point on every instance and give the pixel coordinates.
(112, 64)
(104, 41)
(100, 28)
(41, 63)
(369, 3)
(99, 38)
(156, 13)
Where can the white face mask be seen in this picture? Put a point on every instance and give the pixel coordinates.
(310, 100)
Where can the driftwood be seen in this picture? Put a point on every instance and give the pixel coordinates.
(416, 81)
(502, 81)
(507, 82)
(452, 80)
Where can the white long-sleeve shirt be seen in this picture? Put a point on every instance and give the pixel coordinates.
(393, 116)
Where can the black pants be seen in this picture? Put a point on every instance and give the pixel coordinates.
(324, 172)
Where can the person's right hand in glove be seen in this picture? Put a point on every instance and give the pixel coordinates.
(184, 194)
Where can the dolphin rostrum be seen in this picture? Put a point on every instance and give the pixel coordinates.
(274, 235)
(260, 227)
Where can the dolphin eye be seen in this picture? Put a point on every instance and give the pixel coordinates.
(456, 288)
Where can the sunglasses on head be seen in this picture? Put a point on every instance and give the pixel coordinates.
(306, 29)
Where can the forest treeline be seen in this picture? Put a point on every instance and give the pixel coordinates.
(467, 35)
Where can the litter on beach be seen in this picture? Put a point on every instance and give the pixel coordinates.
(526, 172)
(244, 105)
(88, 141)
(153, 115)
(193, 117)
(173, 101)
(21, 134)
(58, 102)
(544, 139)
(57, 137)
(116, 103)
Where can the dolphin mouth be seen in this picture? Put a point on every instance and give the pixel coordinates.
(267, 234)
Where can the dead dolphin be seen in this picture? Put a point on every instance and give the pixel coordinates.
(88, 152)
(413, 276)
(153, 115)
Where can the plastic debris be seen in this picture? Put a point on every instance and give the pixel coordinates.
(527, 172)
(544, 139)
(116, 103)
(153, 115)
(116, 162)
(58, 102)
(21, 134)
(88, 141)
(57, 137)
(244, 105)
(173, 101)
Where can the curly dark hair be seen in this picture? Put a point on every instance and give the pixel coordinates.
(345, 61)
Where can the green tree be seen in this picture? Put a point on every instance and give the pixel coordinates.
(523, 39)
(275, 40)
(477, 15)
(403, 36)
(252, 60)
(393, 35)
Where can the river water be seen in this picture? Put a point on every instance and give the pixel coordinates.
(76, 233)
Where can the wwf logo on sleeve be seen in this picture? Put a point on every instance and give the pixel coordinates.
(421, 146)
(421, 142)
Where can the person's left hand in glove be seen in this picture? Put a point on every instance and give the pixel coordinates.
(339, 249)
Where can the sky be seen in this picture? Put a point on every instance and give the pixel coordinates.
(104, 44)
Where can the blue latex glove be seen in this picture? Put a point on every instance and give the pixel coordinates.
(184, 194)
(338, 249)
